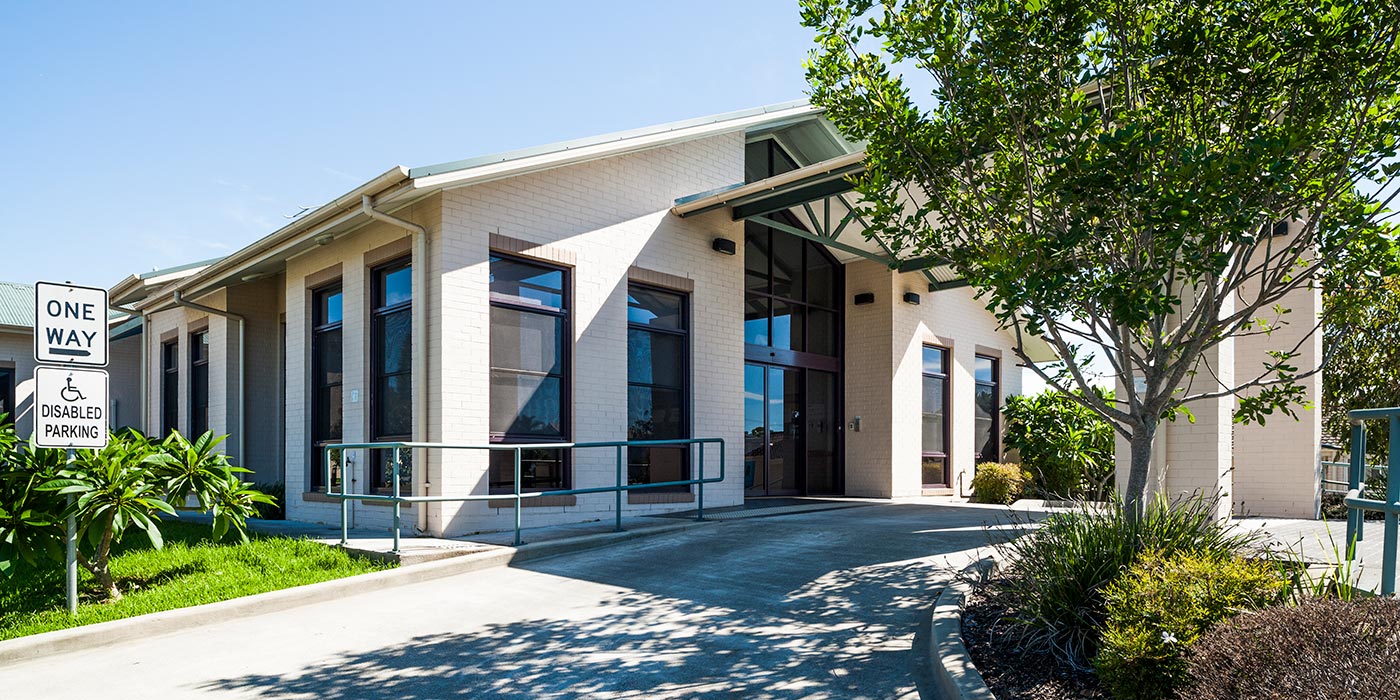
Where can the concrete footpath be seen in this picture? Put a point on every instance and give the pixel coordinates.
(809, 605)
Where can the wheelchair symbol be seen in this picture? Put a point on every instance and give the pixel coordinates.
(70, 393)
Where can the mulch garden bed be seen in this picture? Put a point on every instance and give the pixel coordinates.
(1014, 673)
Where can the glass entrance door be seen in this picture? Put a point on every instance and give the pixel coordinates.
(772, 430)
(791, 431)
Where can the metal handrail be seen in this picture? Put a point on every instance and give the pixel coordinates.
(397, 499)
(1356, 501)
(1344, 484)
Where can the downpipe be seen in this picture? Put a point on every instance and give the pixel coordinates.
(420, 348)
(180, 300)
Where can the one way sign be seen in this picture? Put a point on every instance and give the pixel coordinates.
(70, 324)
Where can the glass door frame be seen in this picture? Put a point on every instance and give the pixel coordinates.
(801, 467)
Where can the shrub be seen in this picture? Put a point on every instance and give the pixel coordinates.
(1068, 447)
(999, 483)
(1055, 577)
(129, 483)
(1320, 649)
(1162, 605)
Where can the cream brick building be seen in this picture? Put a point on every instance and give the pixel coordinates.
(704, 279)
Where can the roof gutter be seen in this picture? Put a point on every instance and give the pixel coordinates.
(180, 300)
(421, 484)
(850, 162)
(341, 209)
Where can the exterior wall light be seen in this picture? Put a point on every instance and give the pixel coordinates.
(865, 298)
(724, 245)
(911, 298)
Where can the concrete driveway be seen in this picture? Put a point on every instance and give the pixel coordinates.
(816, 605)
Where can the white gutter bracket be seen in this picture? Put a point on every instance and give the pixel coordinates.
(422, 486)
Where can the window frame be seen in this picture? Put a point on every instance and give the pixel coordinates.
(564, 312)
(169, 386)
(199, 363)
(7, 395)
(805, 356)
(685, 387)
(947, 378)
(376, 313)
(995, 385)
(319, 328)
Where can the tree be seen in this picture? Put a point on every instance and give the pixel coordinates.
(1112, 175)
(131, 483)
(1364, 336)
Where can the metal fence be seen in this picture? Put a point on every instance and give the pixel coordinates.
(1335, 477)
(1356, 502)
(396, 499)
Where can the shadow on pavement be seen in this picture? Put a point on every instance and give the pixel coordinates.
(820, 605)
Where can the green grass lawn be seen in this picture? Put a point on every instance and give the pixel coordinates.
(190, 570)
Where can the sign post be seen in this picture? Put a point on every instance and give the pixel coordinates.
(70, 403)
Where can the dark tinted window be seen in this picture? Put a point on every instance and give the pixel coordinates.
(935, 416)
(199, 383)
(529, 372)
(391, 369)
(169, 386)
(327, 377)
(520, 282)
(658, 385)
(7, 395)
(987, 398)
(793, 292)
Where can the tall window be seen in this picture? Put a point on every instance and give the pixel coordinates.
(935, 434)
(199, 383)
(391, 412)
(169, 386)
(7, 395)
(791, 298)
(987, 375)
(326, 379)
(529, 372)
(658, 400)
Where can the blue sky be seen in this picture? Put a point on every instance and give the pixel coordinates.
(142, 135)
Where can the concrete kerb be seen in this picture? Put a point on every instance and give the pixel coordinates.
(143, 626)
(947, 672)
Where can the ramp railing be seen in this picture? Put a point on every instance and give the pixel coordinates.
(518, 495)
(1356, 502)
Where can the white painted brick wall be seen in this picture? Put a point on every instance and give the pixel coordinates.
(606, 216)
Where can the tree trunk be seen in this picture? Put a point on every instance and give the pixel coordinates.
(1135, 495)
(100, 563)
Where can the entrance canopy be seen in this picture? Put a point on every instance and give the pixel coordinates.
(820, 198)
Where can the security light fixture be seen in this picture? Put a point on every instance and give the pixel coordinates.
(724, 245)
(865, 298)
(911, 298)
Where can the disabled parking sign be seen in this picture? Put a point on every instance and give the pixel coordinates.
(70, 408)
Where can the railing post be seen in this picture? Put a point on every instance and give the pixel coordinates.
(517, 497)
(618, 493)
(1392, 496)
(398, 464)
(700, 486)
(1356, 473)
(344, 502)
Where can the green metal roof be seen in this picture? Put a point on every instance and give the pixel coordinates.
(16, 304)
